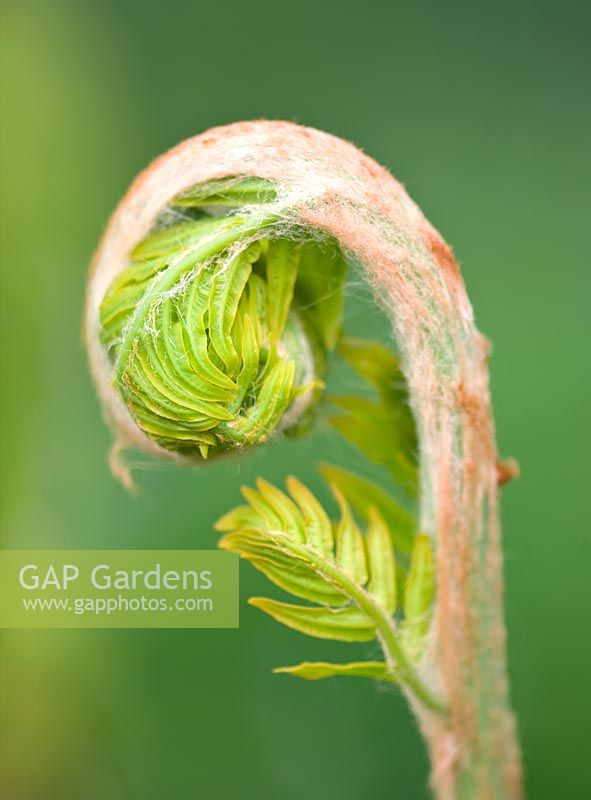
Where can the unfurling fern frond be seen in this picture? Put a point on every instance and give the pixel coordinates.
(348, 575)
(215, 304)
(218, 329)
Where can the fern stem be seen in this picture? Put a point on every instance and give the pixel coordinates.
(406, 673)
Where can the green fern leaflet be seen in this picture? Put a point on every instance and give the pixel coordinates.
(346, 575)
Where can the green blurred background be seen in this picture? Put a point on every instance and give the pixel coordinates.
(482, 110)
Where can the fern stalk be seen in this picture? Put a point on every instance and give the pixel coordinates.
(307, 184)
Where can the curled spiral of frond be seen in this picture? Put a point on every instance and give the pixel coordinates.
(218, 328)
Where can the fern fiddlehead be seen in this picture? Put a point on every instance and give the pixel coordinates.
(209, 328)
(212, 305)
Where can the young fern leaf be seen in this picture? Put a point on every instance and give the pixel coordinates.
(319, 290)
(372, 428)
(343, 624)
(232, 193)
(314, 671)
(419, 593)
(383, 429)
(382, 566)
(318, 526)
(350, 549)
(363, 495)
(350, 577)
